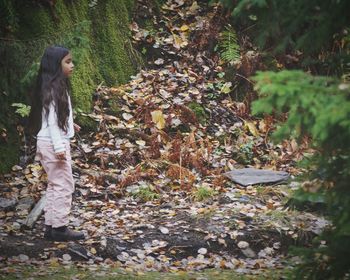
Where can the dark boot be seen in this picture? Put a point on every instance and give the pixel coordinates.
(66, 234)
(47, 233)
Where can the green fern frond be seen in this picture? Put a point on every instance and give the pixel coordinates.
(228, 45)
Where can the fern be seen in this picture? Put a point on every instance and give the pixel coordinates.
(228, 45)
(22, 109)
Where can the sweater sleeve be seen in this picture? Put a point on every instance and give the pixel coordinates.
(54, 130)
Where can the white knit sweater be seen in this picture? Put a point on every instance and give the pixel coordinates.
(51, 132)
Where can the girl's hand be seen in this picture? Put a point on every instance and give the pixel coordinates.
(61, 156)
(76, 127)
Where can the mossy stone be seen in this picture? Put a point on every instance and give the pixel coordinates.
(110, 29)
(108, 55)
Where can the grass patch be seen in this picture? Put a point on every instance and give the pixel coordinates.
(106, 273)
(145, 193)
(203, 193)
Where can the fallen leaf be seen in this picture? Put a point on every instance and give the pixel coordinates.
(66, 257)
(158, 119)
(93, 251)
(23, 258)
(141, 143)
(164, 230)
(159, 61)
(184, 28)
(226, 88)
(194, 7)
(61, 246)
(16, 168)
(202, 251)
(127, 116)
(251, 128)
(243, 244)
(123, 257)
(222, 242)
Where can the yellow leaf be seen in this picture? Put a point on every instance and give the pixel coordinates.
(184, 28)
(61, 246)
(263, 126)
(158, 119)
(141, 143)
(93, 251)
(35, 167)
(54, 262)
(251, 127)
(226, 88)
(177, 41)
(194, 7)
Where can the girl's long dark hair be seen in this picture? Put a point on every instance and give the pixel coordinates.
(51, 86)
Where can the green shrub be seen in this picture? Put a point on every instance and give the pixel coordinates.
(318, 107)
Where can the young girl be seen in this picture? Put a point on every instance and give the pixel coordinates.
(51, 119)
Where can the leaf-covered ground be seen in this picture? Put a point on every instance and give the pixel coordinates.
(150, 191)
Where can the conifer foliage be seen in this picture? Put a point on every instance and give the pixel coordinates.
(288, 25)
(318, 107)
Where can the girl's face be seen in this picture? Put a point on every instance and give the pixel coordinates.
(67, 65)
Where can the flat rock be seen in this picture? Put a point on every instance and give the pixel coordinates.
(252, 176)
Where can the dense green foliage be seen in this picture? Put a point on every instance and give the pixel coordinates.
(306, 25)
(315, 36)
(318, 107)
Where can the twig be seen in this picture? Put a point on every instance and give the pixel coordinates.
(245, 78)
(180, 166)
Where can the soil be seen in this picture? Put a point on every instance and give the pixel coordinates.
(183, 241)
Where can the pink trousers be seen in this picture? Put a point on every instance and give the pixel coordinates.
(60, 184)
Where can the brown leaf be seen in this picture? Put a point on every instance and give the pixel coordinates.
(184, 175)
(186, 114)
